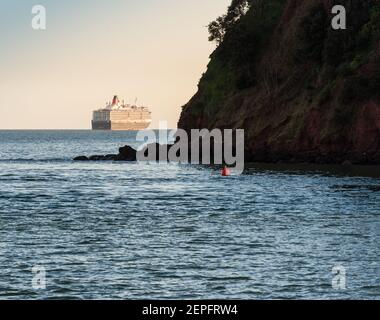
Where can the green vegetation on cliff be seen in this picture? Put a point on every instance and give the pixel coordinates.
(232, 65)
(299, 88)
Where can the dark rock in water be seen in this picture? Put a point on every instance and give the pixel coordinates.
(110, 157)
(96, 158)
(81, 158)
(126, 153)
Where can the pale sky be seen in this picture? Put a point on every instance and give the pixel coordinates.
(155, 50)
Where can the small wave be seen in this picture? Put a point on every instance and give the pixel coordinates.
(355, 187)
(28, 160)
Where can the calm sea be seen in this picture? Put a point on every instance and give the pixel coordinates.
(127, 230)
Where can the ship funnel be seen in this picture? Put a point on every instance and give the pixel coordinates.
(115, 101)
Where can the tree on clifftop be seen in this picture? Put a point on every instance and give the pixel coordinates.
(238, 8)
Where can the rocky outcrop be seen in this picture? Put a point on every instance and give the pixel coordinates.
(127, 153)
(81, 158)
(302, 91)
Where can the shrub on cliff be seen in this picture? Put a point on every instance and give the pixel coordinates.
(223, 24)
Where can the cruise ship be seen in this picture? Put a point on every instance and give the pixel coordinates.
(119, 116)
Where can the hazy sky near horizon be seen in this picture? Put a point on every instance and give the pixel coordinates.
(155, 50)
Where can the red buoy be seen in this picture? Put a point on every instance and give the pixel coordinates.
(226, 172)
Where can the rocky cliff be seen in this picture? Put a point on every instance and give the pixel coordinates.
(301, 90)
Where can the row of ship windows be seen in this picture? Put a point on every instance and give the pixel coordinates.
(108, 117)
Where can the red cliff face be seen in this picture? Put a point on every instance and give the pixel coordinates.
(301, 91)
(366, 129)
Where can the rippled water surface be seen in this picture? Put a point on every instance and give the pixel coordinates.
(128, 230)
